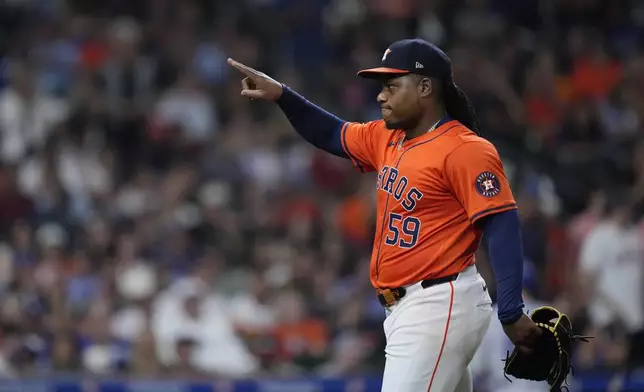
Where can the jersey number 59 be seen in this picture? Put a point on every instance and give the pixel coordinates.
(403, 231)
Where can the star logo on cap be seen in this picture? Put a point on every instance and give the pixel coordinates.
(384, 56)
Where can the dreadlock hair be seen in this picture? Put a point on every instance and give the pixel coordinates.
(459, 107)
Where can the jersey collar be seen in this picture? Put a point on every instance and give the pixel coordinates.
(406, 143)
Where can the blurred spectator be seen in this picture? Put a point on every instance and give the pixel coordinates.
(581, 129)
(65, 354)
(188, 309)
(250, 310)
(595, 74)
(583, 223)
(102, 353)
(533, 230)
(349, 354)
(183, 368)
(27, 115)
(144, 361)
(612, 267)
(301, 337)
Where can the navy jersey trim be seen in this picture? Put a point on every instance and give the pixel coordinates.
(489, 211)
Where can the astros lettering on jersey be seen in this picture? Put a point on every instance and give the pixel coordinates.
(430, 191)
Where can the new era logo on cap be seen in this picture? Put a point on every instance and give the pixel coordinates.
(419, 65)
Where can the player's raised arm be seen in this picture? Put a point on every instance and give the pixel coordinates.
(316, 125)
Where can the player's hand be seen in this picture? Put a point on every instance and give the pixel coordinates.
(257, 85)
(523, 333)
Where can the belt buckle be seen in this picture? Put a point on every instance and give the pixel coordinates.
(389, 296)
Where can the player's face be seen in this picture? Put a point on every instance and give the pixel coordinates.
(399, 101)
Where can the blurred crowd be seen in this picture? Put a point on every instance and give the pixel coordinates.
(155, 223)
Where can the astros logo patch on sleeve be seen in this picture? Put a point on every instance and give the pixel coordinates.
(487, 184)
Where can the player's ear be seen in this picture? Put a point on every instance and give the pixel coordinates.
(425, 87)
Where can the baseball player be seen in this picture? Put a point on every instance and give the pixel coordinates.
(440, 189)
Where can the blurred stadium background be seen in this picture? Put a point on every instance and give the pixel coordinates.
(157, 228)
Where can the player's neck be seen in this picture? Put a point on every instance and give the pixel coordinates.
(428, 124)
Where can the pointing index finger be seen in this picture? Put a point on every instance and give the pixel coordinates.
(246, 70)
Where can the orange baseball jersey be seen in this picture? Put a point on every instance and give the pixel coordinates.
(431, 189)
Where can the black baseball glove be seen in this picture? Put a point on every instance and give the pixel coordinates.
(551, 359)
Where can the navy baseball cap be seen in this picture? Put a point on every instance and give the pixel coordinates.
(409, 56)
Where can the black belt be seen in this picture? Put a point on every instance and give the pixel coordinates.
(388, 297)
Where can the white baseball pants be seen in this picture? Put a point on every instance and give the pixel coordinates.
(433, 333)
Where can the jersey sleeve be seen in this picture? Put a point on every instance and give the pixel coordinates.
(360, 142)
(476, 177)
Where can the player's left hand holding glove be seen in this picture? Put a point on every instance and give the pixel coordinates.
(523, 333)
(549, 358)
